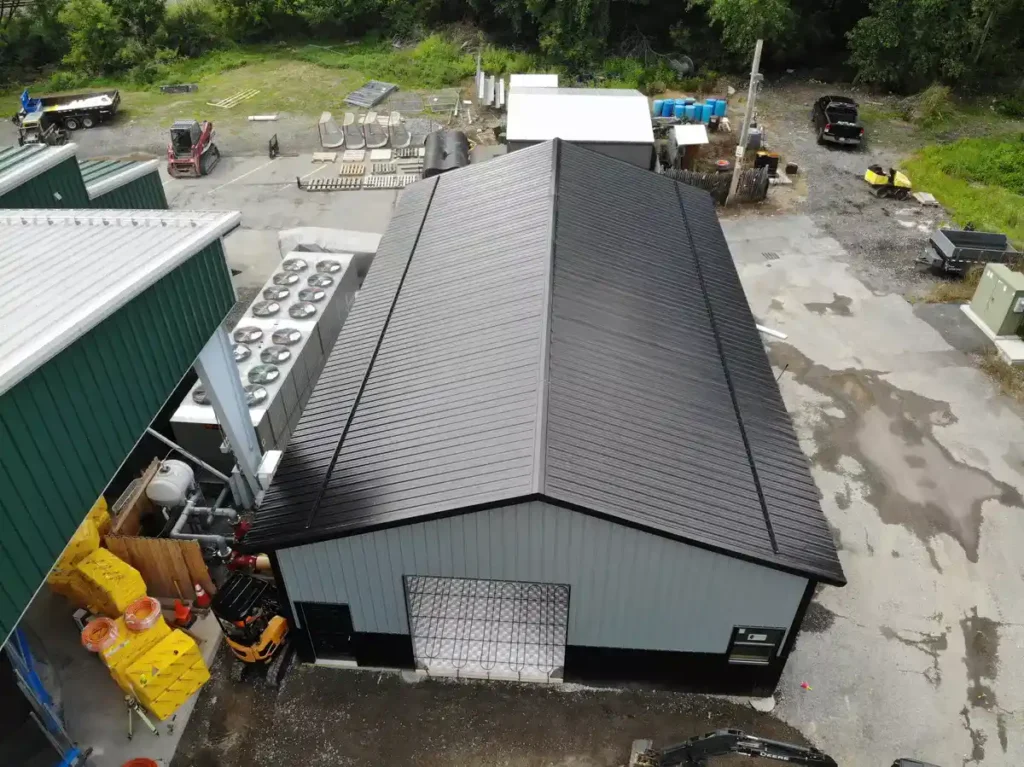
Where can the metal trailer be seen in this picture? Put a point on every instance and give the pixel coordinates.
(954, 251)
(72, 110)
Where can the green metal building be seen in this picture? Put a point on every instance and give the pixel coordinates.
(96, 337)
(36, 176)
(125, 185)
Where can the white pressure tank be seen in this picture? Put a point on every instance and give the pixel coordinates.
(171, 484)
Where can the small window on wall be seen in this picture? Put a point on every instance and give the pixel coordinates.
(755, 646)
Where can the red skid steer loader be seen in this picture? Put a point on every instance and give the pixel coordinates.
(191, 152)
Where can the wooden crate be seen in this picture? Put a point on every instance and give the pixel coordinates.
(164, 562)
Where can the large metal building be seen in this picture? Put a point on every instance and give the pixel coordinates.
(104, 312)
(127, 185)
(612, 121)
(549, 445)
(38, 176)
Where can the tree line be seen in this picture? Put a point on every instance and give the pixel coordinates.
(902, 45)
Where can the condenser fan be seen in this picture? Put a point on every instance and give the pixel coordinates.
(302, 310)
(285, 278)
(276, 293)
(241, 352)
(320, 281)
(329, 267)
(275, 355)
(264, 374)
(247, 334)
(286, 336)
(312, 294)
(265, 308)
(294, 265)
(254, 394)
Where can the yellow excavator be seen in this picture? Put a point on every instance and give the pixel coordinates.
(249, 612)
(698, 750)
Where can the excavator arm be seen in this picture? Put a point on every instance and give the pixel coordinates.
(696, 751)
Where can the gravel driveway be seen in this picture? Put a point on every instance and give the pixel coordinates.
(884, 237)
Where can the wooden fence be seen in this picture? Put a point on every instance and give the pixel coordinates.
(752, 186)
(168, 566)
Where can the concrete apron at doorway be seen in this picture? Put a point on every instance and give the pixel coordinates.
(94, 707)
(920, 464)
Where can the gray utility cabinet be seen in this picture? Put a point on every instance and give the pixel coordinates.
(999, 299)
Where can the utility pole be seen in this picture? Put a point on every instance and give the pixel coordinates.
(755, 78)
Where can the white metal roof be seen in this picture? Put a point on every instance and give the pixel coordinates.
(19, 164)
(533, 80)
(597, 115)
(690, 135)
(64, 272)
(131, 172)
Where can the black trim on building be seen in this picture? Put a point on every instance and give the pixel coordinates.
(383, 650)
(682, 671)
(798, 620)
(298, 635)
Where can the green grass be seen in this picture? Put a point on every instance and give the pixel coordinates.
(960, 178)
(298, 79)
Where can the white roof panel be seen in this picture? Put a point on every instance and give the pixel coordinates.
(533, 81)
(93, 263)
(690, 135)
(597, 115)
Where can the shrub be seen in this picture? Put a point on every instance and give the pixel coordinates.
(193, 28)
(931, 107)
(94, 34)
(66, 80)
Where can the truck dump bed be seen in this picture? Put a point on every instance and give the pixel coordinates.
(954, 250)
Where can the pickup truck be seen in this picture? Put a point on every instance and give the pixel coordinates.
(836, 121)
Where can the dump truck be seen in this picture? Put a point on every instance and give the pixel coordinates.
(70, 110)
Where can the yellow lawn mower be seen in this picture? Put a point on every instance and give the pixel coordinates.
(892, 184)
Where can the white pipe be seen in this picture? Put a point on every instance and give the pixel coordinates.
(770, 332)
(154, 433)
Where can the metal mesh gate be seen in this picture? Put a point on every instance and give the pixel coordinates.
(489, 629)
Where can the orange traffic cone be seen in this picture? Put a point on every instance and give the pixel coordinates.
(202, 598)
(183, 614)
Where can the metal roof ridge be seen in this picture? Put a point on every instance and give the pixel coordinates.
(728, 376)
(45, 159)
(67, 329)
(119, 179)
(541, 429)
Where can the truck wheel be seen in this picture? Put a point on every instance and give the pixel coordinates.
(71, 123)
(88, 122)
(902, 194)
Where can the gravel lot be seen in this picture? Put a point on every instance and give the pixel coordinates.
(882, 236)
(324, 717)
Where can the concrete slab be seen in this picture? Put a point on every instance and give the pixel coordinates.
(920, 464)
(94, 708)
(954, 326)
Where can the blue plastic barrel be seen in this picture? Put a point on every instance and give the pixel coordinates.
(688, 112)
(706, 113)
(656, 109)
(698, 112)
(677, 111)
(690, 100)
(666, 108)
(720, 107)
(711, 103)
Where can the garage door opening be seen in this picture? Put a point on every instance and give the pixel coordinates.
(488, 629)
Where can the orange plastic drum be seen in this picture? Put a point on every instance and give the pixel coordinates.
(99, 634)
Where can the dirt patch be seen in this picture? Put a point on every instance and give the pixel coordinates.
(328, 717)
(906, 474)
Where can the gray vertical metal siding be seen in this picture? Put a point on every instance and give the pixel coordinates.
(629, 589)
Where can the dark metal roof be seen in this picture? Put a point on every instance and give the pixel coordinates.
(561, 325)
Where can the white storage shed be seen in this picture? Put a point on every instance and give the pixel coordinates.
(615, 122)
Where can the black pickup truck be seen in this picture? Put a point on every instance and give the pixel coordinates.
(836, 121)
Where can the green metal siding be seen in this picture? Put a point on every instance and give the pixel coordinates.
(64, 179)
(146, 193)
(66, 429)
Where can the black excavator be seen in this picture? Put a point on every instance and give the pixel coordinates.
(696, 751)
